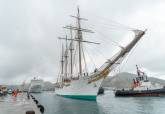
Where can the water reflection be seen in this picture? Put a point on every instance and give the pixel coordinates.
(59, 105)
(144, 105)
(106, 104)
(72, 106)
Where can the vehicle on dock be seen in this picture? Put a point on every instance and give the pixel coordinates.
(3, 90)
(141, 86)
(1, 93)
(10, 91)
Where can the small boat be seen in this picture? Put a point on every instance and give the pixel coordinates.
(101, 91)
(141, 86)
(10, 91)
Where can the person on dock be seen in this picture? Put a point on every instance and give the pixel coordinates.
(14, 93)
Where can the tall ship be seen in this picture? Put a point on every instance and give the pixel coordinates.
(36, 85)
(73, 81)
(141, 86)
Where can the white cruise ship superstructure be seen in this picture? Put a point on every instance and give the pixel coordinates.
(36, 86)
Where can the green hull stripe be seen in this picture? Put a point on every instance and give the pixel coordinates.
(81, 97)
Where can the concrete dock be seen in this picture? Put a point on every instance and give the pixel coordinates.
(17, 105)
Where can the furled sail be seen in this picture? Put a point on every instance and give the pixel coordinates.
(109, 65)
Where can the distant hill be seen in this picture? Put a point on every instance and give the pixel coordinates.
(121, 80)
(47, 86)
(124, 80)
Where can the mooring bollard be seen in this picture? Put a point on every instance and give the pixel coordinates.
(36, 101)
(31, 95)
(41, 108)
(33, 98)
(28, 95)
(30, 112)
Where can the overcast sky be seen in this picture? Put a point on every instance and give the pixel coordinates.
(29, 29)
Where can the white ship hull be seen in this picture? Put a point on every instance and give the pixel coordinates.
(36, 86)
(36, 89)
(80, 89)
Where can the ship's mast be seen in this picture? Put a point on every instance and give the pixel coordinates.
(60, 77)
(71, 54)
(66, 57)
(137, 69)
(62, 60)
(79, 37)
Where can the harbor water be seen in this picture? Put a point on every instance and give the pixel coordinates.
(106, 104)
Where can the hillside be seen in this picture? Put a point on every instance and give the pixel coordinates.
(121, 80)
(47, 86)
(124, 80)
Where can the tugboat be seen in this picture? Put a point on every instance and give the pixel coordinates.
(141, 86)
(101, 91)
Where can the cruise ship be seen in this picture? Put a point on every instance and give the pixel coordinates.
(36, 85)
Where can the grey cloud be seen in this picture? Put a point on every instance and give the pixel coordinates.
(29, 31)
